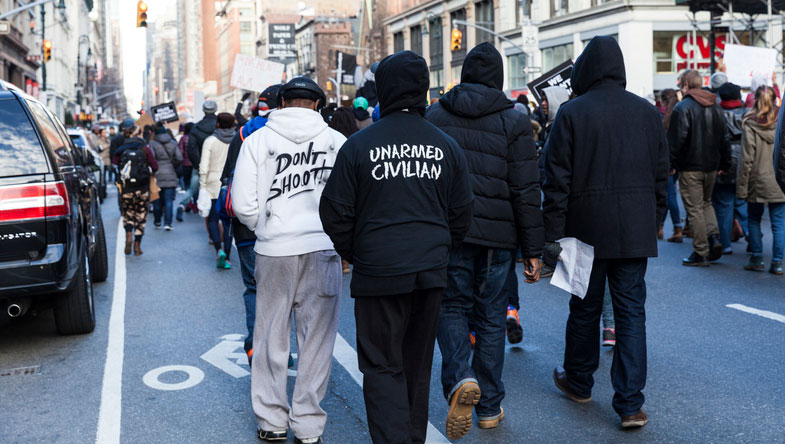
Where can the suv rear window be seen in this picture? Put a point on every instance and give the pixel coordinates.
(20, 149)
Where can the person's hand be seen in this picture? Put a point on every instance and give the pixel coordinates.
(774, 78)
(531, 269)
(673, 172)
(722, 173)
(246, 96)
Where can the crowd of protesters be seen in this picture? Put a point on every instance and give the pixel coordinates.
(430, 207)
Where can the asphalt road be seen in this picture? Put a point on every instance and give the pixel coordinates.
(715, 372)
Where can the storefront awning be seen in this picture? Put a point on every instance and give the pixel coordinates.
(751, 7)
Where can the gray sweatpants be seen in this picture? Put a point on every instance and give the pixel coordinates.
(309, 286)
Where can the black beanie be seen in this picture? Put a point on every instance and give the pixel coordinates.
(729, 91)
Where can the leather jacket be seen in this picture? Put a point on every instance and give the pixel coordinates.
(697, 134)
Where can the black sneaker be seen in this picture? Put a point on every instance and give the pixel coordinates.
(317, 440)
(277, 435)
(546, 271)
(695, 260)
(180, 209)
(715, 248)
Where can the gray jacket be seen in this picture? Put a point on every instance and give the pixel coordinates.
(169, 158)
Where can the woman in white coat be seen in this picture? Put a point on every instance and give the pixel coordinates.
(211, 166)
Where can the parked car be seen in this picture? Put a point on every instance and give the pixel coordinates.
(80, 139)
(52, 242)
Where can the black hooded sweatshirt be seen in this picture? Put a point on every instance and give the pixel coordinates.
(399, 193)
(199, 133)
(606, 162)
(500, 150)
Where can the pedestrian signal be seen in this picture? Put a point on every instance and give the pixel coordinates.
(456, 35)
(141, 14)
(47, 47)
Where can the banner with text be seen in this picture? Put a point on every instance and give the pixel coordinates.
(254, 74)
(558, 76)
(165, 112)
(742, 63)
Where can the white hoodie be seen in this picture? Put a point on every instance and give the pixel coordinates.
(279, 178)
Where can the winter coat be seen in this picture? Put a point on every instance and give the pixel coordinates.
(362, 118)
(399, 195)
(606, 163)
(696, 134)
(182, 144)
(169, 157)
(733, 132)
(500, 151)
(214, 153)
(278, 181)
(757, 182)
(199, 133)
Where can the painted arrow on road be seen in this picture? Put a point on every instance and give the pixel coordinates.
(222, 355)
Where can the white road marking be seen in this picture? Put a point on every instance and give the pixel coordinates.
(347, 357)
(110, 413)
(151, 378)
(222, 355)
(763, 313)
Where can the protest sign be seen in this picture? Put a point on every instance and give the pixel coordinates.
(254, 74)
(165, 112)
(742, 63)
(558, 76)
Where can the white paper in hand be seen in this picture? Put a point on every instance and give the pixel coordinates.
(203, 203)
(573, 270)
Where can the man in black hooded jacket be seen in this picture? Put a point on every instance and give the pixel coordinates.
(499, 147)
(605, 185)
(398, 199)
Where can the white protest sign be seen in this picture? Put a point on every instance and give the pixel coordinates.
(255, 74)
(745, 62)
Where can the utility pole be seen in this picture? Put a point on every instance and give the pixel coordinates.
(339, 78)
(43, 38)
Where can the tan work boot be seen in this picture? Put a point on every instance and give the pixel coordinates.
(678, 236)
(491, 423)
(138, 248)
(129, 239)
(459, 418)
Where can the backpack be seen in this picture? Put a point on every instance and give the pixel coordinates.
(133, 165)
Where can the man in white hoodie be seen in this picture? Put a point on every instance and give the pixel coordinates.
(280, 174)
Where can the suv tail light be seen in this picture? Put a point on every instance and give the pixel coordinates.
(34, 201)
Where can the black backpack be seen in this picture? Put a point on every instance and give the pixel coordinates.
(133, 165)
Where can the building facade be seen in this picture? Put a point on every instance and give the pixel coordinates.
(316, 40)
(20, 49)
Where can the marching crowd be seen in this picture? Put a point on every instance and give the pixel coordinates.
(430, 207)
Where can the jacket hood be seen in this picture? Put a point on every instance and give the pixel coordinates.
(765, 132)
(225, 135)
(402, 82)
(296, 124)
(163, 138)
(208, 123)
(600, 61)
(474, 100)
(703, 97)
(483, 65)
(556, 96)
(252, 125)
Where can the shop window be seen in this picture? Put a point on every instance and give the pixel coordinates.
(398, 42)
(436, 44)
(517, 78)
(555, 55)
(415, 36)
(675, 51)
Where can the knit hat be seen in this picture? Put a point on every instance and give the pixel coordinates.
(717, 80)
(729, 91)
(210, 107)
(361, 103)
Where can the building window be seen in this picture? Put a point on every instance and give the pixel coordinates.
(245, 26)
(415, 35)
(555, 55)
(246, 12)
(558, 7)
(456, 74)
(524, 11)
(398, 41)
(437, 83)
(436, 43)
(517, 78)
(483, 16)
(458, 56)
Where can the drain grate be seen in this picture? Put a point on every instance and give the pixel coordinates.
(22, 371)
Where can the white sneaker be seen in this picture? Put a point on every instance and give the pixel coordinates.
(168, 228)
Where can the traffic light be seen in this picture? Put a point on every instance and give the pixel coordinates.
(141, 14)
(47, 46)
(456, 37)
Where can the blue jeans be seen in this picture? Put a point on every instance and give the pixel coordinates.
(607, 311)
(193, 191)
(247, 263)
(726, 207)
(476, 277)
(777, 216)
(215, 233)
(165, 202)
(511, 288)
(582, 350)
(673, 201)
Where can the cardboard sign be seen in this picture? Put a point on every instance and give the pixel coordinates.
(253, 74)
(165, 112)
(742, 63)
(559, 76)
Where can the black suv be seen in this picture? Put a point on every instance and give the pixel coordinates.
(52, 244)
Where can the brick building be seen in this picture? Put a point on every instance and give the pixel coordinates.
(315, 41)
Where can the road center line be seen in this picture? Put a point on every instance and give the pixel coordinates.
(764, 313)
(347, 357)
(110, 413)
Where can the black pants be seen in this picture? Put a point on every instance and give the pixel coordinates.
(395, 340)
(582, 352)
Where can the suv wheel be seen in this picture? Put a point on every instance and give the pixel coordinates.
(100, 264)
(75, 311)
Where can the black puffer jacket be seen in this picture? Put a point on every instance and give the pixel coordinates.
(501, 154)
(779, 150)
(606, 163)
(733, 132)
(696, 134)
(199, 133)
